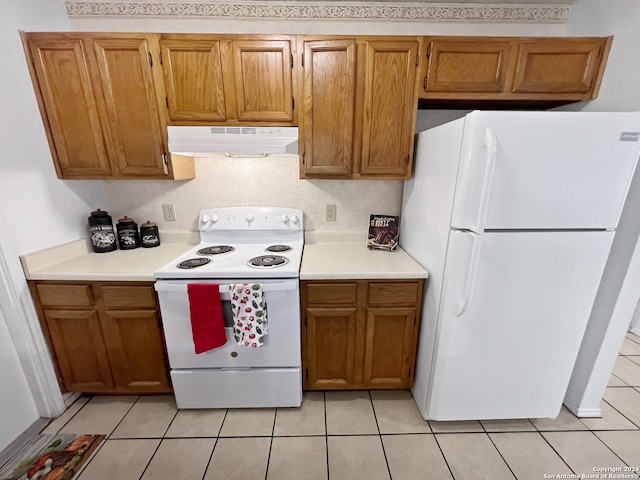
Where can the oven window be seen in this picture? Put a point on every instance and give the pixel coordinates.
(227, 313)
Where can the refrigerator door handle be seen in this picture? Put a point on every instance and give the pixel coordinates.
(491, 142)
(470, 276)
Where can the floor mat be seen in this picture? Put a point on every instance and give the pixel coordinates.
(50, 457)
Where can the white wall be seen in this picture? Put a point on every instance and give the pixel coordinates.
(620, 288)
(37, 211)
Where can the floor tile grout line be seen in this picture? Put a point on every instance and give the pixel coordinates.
(151, 458)
(122, 419)
(612, 450)
(557, 452)
(375, 417)
(617, 410)
(444, 457)
(273, 430)
(206, 468)
(501, 456)
(72, 416)
(89, 460)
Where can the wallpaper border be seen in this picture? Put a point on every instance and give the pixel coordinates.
(296, 10)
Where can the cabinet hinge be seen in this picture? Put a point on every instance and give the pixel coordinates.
(292, 60)
(429, 51)
(293, 103)
(424, 84)
(417, 60)
(303, 160)
(167, 101)
(160, 58)
(306, 374)
(150, 59)
(302, 60)
(165, 159)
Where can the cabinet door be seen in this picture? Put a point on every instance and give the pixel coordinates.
(390, 102)
(71, 115)
(558, 65)
(135, 347)
(263, 80)
(389, 352)
(466, 65)
(123, 68)
(79, 348)
(330, 341)
(329, 107)
(193, 78)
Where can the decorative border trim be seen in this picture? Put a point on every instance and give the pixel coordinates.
(347, 10)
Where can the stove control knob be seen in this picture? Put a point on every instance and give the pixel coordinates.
(294, 218)
(249, 218)
(205, 220)
(285, 218)
(214, 218)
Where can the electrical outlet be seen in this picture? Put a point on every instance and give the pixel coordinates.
(169, 211)
(330, 212)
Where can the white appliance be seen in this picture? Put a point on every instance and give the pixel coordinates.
(260, 140)
(513, 214)
(238, 245)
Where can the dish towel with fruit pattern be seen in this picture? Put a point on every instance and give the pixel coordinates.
(249, 314)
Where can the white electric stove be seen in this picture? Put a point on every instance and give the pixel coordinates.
(238, 245)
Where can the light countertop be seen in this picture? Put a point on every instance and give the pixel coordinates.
(328, 257)
(325, 257)
(76, 261)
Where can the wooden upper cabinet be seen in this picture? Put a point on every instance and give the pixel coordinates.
(263, 80)
(534, 70)
(390, 103)
(101, 96)
(71, 103)
(360, 101)
(134, 133)
(329, 107)
(466, 65)
(558, 66)
(193, 78)
(228, 80)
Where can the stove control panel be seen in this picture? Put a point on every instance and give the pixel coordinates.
(251, 218)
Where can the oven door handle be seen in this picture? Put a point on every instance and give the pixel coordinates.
(266, 287)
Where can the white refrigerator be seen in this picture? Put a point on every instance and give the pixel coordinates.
(513, 215)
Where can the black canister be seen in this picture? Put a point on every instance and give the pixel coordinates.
(128, 235)
(103, 237)
(149, 235)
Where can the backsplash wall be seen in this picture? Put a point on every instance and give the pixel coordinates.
(269, 181)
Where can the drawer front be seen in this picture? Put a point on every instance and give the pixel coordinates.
(52, 295)
(332, 293)
(400, 293)
(122, 296)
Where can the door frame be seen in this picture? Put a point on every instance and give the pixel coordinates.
(26, 333)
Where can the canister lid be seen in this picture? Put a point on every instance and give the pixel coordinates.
(148, 224)
(99, 213)
(125, 219)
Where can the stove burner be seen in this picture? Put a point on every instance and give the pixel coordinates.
(216, 250)
(193, 263)
(278, 248)
(268, 261)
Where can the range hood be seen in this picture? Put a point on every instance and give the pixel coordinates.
(200, 141)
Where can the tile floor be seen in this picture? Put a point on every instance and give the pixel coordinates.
(354, 435)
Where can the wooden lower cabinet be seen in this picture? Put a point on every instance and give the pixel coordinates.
(105, 337)
(360, 334)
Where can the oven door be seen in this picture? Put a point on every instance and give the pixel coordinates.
(281, 347)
